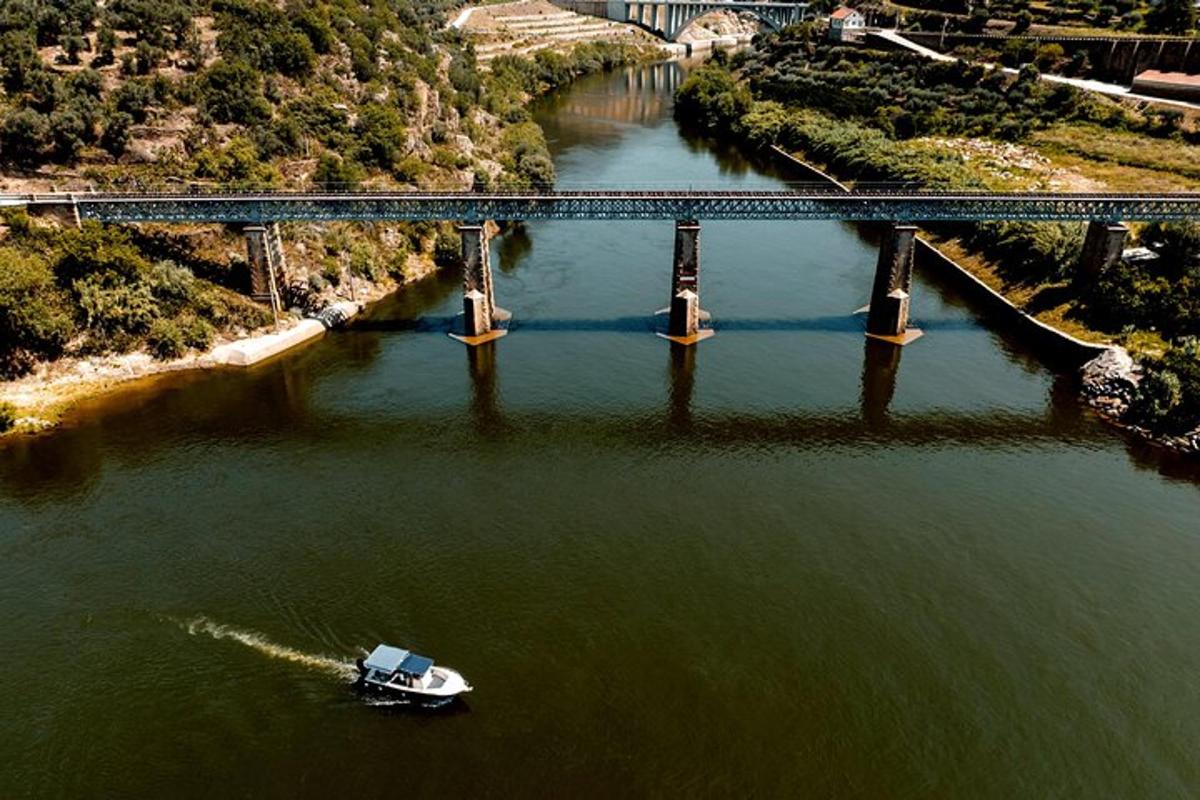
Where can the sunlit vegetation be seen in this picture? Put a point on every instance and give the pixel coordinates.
(330, 94)
(94, 290)
(1134, 16)
(869, 117)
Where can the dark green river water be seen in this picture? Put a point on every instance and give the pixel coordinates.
(780, 564)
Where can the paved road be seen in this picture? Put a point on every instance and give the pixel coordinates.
(1110, 89)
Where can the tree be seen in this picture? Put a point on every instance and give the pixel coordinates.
(1173, 16)
(72, 45)
(67, 132)
(148, 57)
(106, 45)
(1048, 55)
(712, 97)
(336, 174)
(292, 53)
(380, 130)
(23, 136)
(115, 138)
(134, 98)
(19, 60)
(193, 48)
(232, 92)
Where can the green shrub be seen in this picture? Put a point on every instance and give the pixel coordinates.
(172, 284)
(1168, 397)
(112, 306)
(447, 249)
(380, 131)
(197, 333)
(23, 136)
(8, 416)
(331, 271)
(336, 174)
(362, 261)
(35, 318)
(410, 169)
(397, 263)
(165, 340)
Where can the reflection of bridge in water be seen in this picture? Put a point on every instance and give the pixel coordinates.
(645, 97)
(1063, 420)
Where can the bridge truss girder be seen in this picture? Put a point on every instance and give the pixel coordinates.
(599, 206)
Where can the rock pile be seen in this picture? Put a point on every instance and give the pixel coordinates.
(1109, 381)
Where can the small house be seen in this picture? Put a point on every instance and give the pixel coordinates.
(846, 23)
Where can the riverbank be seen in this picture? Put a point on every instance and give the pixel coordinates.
(1144, 304)
(91, 308)
(1109, 375)
(40, 400)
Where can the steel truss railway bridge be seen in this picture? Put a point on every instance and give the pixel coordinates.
(260, 212)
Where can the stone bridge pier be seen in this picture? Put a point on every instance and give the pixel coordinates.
(887, 316)
(481, 316)
(684, 313)
(268, 271)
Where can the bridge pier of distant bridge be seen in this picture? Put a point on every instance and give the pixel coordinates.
(481, 316)
(669, 18)
(887, 316)
(684, 314)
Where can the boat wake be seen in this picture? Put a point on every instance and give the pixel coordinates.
(202, 626)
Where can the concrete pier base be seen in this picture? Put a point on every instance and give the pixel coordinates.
(683, 327)
(887, 314)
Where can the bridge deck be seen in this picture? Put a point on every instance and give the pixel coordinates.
(798, 204)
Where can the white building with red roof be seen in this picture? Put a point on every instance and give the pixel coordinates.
(845, 23)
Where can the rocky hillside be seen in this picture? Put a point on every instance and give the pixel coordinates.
(333, 94)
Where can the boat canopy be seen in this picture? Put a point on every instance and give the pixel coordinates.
(385, 658)
(416, 665)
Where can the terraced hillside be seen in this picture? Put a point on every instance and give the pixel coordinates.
(528, 26)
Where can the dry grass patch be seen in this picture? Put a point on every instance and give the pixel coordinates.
(1131, 158)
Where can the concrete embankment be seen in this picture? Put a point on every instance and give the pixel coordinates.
(1047, 339)
(247, 352)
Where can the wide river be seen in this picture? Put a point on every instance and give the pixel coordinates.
(782, 563)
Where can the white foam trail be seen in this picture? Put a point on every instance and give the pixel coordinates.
(343, 668)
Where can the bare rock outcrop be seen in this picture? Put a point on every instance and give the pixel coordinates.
(1110, 380)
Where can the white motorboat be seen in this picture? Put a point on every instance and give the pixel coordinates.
(402, 674)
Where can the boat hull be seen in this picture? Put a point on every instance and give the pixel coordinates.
(429, 698)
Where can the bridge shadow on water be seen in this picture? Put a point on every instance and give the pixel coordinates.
(277, 402)
(650, 323)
